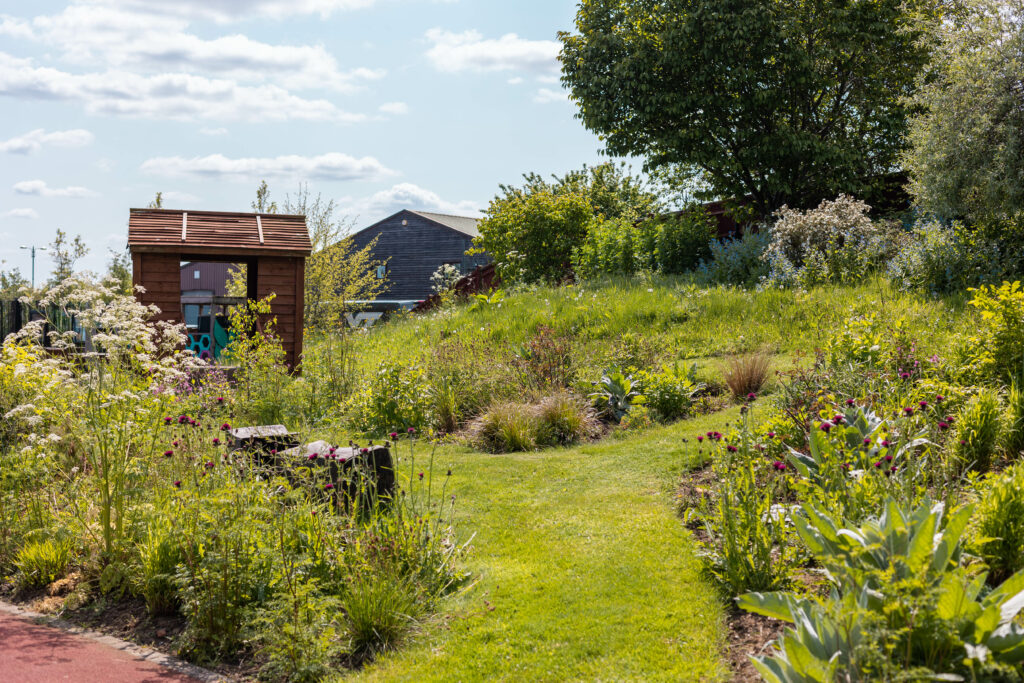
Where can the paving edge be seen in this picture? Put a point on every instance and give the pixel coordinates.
(145, 654)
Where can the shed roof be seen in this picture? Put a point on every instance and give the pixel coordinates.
(463, 224)
(211, 232)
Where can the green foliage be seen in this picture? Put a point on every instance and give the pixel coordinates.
(41, 562)
(256, 350)
(1015, 427)
(997, 526)
(967, 150)
(65, 253)
(671, 244)
(999, 346)
(563, 420)
(532, 231)
(945, 259)
(671, 393)
(378, 614)
(396, 398)
(160, 552)
(545, 361)
(902, 605)
(772, 100)
(616, 394)
(979, 430)
(737, 261)
(505, 428)
(747, 524)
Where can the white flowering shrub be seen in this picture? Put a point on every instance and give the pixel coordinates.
(835, 242)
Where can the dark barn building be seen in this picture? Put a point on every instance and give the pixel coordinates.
(414, 244)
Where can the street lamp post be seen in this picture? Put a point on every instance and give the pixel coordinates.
(33, 249)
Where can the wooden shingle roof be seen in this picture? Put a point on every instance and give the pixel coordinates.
(217, 232)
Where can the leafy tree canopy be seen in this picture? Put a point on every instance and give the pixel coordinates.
(787, 101)
(967, 154)
(531, 231)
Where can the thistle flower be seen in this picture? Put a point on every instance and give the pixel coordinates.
(867, 441)
(826, 426)
(904, 375)
(888, 458)
(923, 404)
(225, 427)
(364, 450)
(177, 484)
(908, 411)
(885, 443)
(878, 464)
(779, 465)
(412, 430)
(328, 487)
(312, 456)
(449, 473)
(771, 435)
(168, 420)
(216, 441)
(209, 465)
(943, 425)
(420, 475)
(940, 398)
(700, 438)
(393, 435)
(731, 448)
(751, 396)
(850, 401)
(168, 453)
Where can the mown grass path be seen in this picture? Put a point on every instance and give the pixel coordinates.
(584, 572)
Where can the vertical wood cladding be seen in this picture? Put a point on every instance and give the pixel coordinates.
(283, 277)
(160, 275)
(414, 251)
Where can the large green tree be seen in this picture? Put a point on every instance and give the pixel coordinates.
(967, 157)
(784, 101)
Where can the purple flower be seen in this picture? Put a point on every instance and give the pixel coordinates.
(888, 458)
(940, 398)
(839, 419)
(850, 401)
(420, 476)
(893, 468)
(867, 440)
(342, 458)
(943, 425)
(700, 438)
(878, 464)
(751, 396)
(168, 453)
(904, 375)
(177, 484)
(393, 435)
(771, 435)
(412, 430)
(908, 411)
(312, 456)
(216, 441)
(182, 419)
(220, 399)
(731, 448)
(225, 427)
(923, 404)
(209, 465)
(328, 487)
(168, 420)
(826, 426)
(364, 450)
(885, 443)
(779, 465)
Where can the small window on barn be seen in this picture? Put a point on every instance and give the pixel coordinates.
(195, 274)
(381, 272)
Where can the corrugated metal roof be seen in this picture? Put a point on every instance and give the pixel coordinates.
(461, 223)
(155, 229)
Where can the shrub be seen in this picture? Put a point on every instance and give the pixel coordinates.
(997, 526)
(563, 420)
(669, 244)
(397, 397)
(1000, 346)
(747, 374)
(671, 393)
(42, 562)
(1015, 429)
(944, 259)
(737, 261)
(835, 242)
(979, 428)
(504, 428)
(546, 360)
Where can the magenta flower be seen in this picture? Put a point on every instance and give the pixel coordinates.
(940, 398)
(731, 448)
(393, 435)
(838, 419)
(888, 458)
(867, 440)
(342, 458)
(850, 401)
(220, 399)
(216, 441)
(904, 375)
(168, 420)
(412, 430)
(908, 411)
(923, 404)
(700, 438)
(225, 427)
(878, 464)
(421, 476)
(943, 425)
(364, 450)
(771, 435)
(885, 443)
(826, 427)
(177, 484)
(209, 465)
(312, 456)
(751, 396)
(779, 465)
(893, 468)
(328, 487)
(168, 453)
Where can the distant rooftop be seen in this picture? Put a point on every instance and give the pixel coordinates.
(463, 224)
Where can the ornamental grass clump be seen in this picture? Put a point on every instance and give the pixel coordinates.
(504, 428)
(41, 562)
(1015, 428)
(747, 374)
(563, 420)
(979, 429)
(997, 526)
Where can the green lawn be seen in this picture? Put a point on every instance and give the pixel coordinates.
(583, 570)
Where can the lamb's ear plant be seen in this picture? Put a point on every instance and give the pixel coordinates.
(902, 604)
(616, 394)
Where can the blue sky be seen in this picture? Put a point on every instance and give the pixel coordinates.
(378, 104)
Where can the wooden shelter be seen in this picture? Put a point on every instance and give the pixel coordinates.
(274, 248)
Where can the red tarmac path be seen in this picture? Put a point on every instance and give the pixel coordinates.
(35, 653)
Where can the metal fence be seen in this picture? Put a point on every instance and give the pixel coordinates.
(14, 315)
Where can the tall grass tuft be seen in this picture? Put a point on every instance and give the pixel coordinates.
(379, 612)
(746, 374)
(1015, 431)
(506, 427)
(563, 420)
(978, 431)
(42, 562)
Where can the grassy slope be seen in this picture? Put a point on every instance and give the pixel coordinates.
(590, 573)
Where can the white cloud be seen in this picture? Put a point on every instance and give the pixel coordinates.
(332, 166)
(172, 95)
(14, 27)
(234, 10)
(39, 188)
(470, 51)
(547, 95)
(138, 42)
(213, 131)
(30, 214)
(34, 140)
(515, 80)
(396, 108)
(407, 196)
